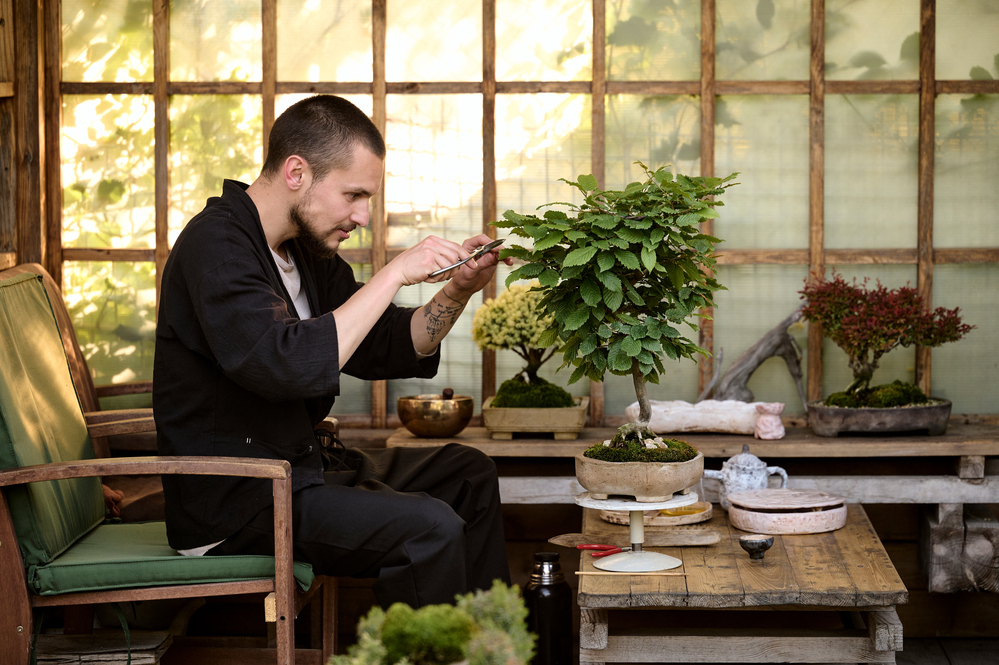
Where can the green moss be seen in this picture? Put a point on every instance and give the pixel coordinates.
(885, 396)
(432, 635)
(542, 394)
(633, 451)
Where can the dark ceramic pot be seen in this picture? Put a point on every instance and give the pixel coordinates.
(831, 420)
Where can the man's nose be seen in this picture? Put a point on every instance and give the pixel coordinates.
(361, 215)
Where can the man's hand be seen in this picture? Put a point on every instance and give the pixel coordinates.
(473, 276)
(432, 253)
(112, 499)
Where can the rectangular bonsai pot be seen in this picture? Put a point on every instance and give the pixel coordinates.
(563, 422)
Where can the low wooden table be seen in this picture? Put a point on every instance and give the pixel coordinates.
(846, 570)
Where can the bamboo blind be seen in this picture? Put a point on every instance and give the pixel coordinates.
(924, 256)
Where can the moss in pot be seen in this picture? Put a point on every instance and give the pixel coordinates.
(617, 276)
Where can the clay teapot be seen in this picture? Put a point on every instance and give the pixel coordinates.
(744, 472)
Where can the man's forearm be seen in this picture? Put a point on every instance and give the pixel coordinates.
(434, 320)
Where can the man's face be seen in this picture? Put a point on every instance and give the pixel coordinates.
(333, 207)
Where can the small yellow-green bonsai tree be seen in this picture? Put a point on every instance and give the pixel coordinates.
(511, 322)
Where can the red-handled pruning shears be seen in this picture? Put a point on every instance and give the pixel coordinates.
(604, 550)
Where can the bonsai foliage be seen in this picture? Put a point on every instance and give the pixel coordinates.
(510, 321)
(869, 322)
(481, 628)
(620, 274)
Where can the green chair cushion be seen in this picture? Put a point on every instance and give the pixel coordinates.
(41, 421)
(136, 554)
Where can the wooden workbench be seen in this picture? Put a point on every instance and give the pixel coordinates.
(846, 570)
(962, 479)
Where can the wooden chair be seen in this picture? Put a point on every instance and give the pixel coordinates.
(52, 504)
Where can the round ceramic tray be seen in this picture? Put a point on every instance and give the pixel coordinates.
(660, 518)
(785, 511)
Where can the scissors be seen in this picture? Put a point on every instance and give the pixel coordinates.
(474, 255)
(604, 550)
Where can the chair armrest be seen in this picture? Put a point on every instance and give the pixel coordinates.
(329, 426)
(247, 467)
(130, 388)
(119, 421)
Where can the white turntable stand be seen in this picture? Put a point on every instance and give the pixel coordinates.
(637, 560)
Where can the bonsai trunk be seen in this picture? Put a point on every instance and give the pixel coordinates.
(863, 372)
(535, 359)
(640, 428)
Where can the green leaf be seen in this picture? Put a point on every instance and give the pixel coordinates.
(581, 256)
(587, 183)
(613, 299)
(590, 291)
(627, 259)
(676, 276)
(548, 338)
(610, 281)
(630, 235)
(550, 240)
(648, 259)
(575, 236)
(577, 374)
(605, 261)
(548, 278)
(577, 318)
(631, 346)
(589, 344)
(604, 221)
(708, 213)
(531, 269)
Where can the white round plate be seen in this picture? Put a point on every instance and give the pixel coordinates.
(637, 562)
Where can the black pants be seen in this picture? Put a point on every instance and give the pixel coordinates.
(426, 522)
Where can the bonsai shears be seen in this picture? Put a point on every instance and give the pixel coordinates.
(603, 550)
(479, 251)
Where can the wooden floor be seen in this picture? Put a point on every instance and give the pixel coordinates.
(949, 652)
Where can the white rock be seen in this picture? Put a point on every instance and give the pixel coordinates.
(726, 416)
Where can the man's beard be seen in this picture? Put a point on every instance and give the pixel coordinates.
(308, 237)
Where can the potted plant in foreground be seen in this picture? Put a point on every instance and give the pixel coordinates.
(617, 277)
(525, 402)
(867, 323)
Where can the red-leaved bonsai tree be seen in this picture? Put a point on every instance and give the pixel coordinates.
(869, 322)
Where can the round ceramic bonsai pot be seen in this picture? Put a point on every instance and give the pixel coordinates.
(648, 482)
(831, 420)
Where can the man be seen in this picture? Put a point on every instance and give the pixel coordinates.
(259, 316)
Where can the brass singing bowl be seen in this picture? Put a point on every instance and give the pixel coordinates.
(433, 416)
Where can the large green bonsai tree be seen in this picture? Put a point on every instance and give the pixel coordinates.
(620, 273)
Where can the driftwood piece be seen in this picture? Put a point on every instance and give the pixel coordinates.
(777, 342)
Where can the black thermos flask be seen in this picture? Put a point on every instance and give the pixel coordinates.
(548, 598)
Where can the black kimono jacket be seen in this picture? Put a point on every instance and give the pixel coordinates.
(238, 374)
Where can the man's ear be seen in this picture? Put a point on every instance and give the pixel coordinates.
(295, 170)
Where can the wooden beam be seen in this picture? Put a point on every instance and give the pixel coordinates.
(379, 217)
(52, 122)
(8, 138)
(29, 132)
(488, 376)
(269, 56)
(927, 146)
(161, 136)
(708, 91)
(598, 136)
(816, 183)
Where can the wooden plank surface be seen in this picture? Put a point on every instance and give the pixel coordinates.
(960, 439)
(722, 646)
(846, 568)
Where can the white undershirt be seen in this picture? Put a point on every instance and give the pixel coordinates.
(293, 282)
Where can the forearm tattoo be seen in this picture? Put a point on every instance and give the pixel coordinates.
(441, 316)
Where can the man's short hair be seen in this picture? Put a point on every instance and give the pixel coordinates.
(323, 130)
